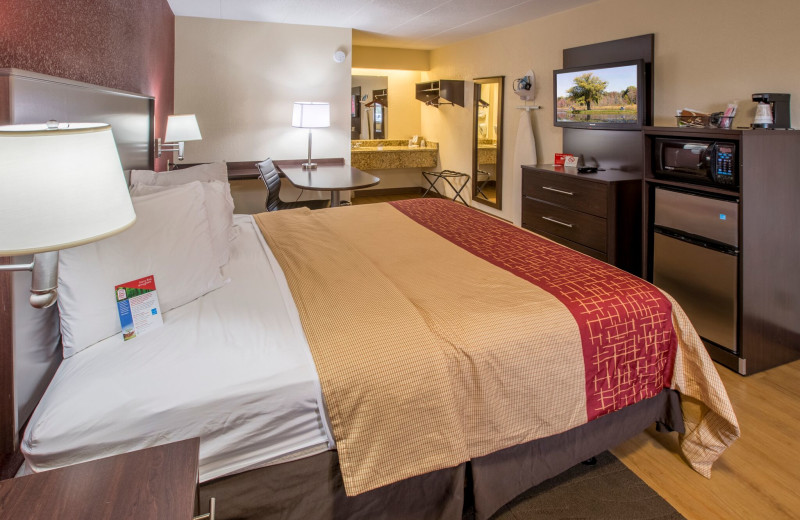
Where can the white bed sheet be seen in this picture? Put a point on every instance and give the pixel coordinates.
(232, 368)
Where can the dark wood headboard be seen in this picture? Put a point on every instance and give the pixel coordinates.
(29, 342)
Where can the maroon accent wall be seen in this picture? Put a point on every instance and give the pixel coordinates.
(124, 44)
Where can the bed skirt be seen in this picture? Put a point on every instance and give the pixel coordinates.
(312, 488)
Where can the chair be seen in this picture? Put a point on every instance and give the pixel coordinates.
(269, 174)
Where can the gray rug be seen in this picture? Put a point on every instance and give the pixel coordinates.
(605, 491)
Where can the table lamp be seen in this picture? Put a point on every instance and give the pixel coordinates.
(62, 186)
(311, 115)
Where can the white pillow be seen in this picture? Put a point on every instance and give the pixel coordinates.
(201, 172)
(170, 240)
(220, 214)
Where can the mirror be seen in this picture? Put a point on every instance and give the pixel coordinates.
(487, 143)
(369, 101)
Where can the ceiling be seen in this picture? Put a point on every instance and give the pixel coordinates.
(412, 24)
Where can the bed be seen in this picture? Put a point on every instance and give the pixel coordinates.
(342, 368)
(241, 359)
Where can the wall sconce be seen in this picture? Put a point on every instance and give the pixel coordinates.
(180, 128)
(311, 115)
(63, 186)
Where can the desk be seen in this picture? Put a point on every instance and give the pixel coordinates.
(159, 482)
(328, 177)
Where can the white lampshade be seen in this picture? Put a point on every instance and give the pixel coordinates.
(311, 115)
(60, 187)
(182, 128)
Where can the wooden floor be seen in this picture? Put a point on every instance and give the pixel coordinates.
(756, 478)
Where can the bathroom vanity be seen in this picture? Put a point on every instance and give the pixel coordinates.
(384, 154)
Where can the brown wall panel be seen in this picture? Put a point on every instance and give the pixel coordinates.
(126, 45)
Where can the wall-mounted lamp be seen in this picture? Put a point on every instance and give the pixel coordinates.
(63, 186)
(311, 115)
(180, 128)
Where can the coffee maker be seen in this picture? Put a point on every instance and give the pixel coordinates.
(779, 108)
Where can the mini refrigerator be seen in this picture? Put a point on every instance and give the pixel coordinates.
(695, 260)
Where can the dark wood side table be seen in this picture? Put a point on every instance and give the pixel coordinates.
(154, 483)
(599, 214)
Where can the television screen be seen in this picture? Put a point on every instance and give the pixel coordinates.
(602, 96)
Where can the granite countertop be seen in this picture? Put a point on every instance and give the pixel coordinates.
(369, 149)
(487, 154)
(384, 154)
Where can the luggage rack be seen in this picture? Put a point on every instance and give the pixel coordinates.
(446, 175)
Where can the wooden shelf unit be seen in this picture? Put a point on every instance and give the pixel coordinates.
(768, 296)
(451, 90)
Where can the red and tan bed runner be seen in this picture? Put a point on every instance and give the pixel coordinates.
(625, 323)
(441, 334)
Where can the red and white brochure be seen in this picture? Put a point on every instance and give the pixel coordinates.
(561, 158)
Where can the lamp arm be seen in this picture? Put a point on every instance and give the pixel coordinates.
(170, 147)
(44, 286)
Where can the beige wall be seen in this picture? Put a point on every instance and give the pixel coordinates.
(241, 79)
(707, 54)
(391, 58)
(404, 109)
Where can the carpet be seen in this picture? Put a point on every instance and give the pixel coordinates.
(606, 491)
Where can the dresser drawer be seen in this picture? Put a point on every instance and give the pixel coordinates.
(577, 247)
(584, 229)
(573, 193)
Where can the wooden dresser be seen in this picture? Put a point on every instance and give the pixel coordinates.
(598, 214)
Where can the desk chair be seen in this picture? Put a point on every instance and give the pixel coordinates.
(269, 174)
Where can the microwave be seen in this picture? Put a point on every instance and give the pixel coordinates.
(701, 161)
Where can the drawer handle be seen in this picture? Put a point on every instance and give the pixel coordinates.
(548, 188)
(557, 222)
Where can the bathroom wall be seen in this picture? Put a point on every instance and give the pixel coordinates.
(707, 54)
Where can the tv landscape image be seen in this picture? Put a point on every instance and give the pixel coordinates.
(603, 95)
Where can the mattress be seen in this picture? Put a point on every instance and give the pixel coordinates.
(232, 368)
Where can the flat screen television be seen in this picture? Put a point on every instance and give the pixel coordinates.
(609, 96)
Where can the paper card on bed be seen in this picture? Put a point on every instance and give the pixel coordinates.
(137, 304)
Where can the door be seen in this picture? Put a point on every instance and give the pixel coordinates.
(704, 283)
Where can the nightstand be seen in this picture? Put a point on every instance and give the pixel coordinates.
(598, 214)
(154, 483)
